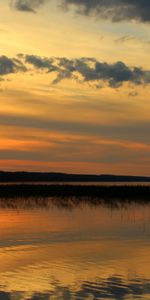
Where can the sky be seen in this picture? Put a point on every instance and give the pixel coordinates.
(75, 86)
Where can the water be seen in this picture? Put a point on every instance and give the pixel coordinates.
(68, 251)
(107, 183)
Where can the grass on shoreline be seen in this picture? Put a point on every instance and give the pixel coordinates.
(30, 196)
(123, 192)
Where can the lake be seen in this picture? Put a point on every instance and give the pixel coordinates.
(68, 252)
(82, 183)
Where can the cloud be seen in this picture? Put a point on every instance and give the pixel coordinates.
(134, 131)
(114, 10)
(90, 70)
(41, 63)
(10, 65)
(27, 5)
(84, 70)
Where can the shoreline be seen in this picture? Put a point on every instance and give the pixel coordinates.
(106, 192)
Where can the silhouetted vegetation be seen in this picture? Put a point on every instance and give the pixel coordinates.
(107, 192)
(70, 196)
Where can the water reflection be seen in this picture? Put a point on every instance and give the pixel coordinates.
(111, 288)
(74, 248)
(70, 203)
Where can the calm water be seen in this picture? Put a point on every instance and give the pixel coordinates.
(74, 252)
(81, 183)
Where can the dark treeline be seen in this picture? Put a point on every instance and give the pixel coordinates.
(123, 192)
(62, 177)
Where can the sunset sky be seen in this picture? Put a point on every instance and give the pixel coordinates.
(75, 86)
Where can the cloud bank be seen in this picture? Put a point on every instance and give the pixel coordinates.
(114, 10)
(83, 70)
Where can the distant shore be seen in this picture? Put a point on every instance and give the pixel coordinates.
(65, 177)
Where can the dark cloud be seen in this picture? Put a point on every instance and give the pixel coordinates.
(114, 10)
(84, 70)
(41, 63)
(8, 65)
(91, 70)
(27, 5)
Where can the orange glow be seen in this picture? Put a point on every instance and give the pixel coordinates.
(65, 116)
(75, 167)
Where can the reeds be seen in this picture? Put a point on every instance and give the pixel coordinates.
(123, 192)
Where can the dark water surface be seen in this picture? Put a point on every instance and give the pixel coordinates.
(55, 251)
(87, 183)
